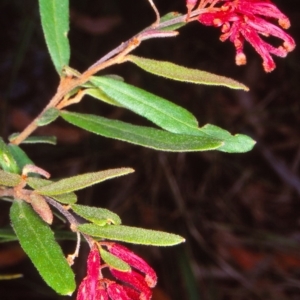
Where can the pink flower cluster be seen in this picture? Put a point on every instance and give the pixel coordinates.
(248, 20)
(131, 285)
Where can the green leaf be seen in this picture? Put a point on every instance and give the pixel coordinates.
(79, 182)
(7, 235)
(36, 139)
(7, 161)
(131, 235)
(143, 136)
(98, 94)
(9, 179)
(20, 156)
(161, 112)
(55, 23)
(179, 73)
(164, 114)
(238, 143)
(99, 216)
(70, 72)
(113, 261)
(48, 117)
(37, 240)
(67, 198)
(168, 17)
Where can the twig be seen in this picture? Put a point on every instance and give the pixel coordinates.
(71, 219)
(67, 84)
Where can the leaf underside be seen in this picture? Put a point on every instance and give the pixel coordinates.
(175, 72)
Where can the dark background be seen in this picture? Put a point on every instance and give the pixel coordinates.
(238, 212)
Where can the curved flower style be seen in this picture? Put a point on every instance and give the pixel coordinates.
(242, 20)
(138, 283)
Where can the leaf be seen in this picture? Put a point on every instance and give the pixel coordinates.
(7, 161)
(131, 235)
(168, 17)
(161, 112)
(41, 207)
(96, 214)
(98, 94)
(140, 135)
(36, 139)
(35, 183)
(67, 198)
(113, 261)
(20, 156)
(238, 143)
(7, 234)
(55, 23)
(37, 240)
(9, 179)
(168, 116)
(48, 117)
(179, 73)
(79, 182)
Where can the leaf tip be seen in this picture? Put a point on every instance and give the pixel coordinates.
(183, 240)
(245, 88)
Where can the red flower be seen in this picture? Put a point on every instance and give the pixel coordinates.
(134, 261)
(135, 280)
(117, 292)
(137, 285)
(248, 20)
(90, 289)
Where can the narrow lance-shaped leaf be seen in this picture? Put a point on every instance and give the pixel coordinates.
(37, 240)
(161, 112)
(7, 233)
(113, 261)
(7, 161)
(96, 215)
(133, 235)
(238, 143)
(168, 18)
(140, 135)
(98, 94)
(20, 156)
(79, 182)
(67, 198)
(36, 139)
(179, 73)
(55, 23)
(48, 117)
(9, 179)
(41, 207)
